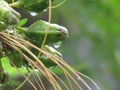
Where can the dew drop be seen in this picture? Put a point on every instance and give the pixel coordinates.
(33, 13)
(57, 45)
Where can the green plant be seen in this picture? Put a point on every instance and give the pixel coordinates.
(29, 46)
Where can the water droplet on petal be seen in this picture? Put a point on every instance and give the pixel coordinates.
(33, 13)
(57, 45)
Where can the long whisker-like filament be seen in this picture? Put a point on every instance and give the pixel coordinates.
(69, 81)
(40, 83)
(41, 67)
(72, 70)
(26, 79)
(17, 43)
(67, 88)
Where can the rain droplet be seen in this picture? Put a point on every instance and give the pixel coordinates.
(33, 13)
(57, 45)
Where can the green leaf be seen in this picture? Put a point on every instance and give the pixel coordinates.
(22, 22)
(34, 5)
(12, 71)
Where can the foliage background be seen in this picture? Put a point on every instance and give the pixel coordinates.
(93, 44)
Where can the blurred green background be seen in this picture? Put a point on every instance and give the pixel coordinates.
(93, 44)
(94, 38)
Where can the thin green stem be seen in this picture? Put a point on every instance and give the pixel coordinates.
(49, 20)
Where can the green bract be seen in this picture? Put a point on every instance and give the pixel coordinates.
(36, 33)
(7, 14)
(12, 33)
